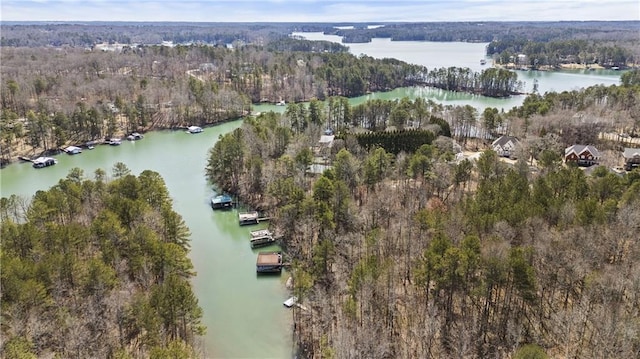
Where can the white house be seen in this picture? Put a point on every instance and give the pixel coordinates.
(505, 146)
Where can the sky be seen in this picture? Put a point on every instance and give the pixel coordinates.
(318, 10)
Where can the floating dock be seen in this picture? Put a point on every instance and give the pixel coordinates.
(247, 218)
(261, 233)
(42, 162)
(261, 238)
(262, 241)
(72, 150)
(269, 262)
(290, 302)
(221, 202)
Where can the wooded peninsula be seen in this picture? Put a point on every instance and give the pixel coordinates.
(400, 249)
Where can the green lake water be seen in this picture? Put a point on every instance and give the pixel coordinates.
(244, 314)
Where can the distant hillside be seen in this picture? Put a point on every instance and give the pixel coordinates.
(87, 34)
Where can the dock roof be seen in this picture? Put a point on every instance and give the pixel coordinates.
(269, 258)
(222, 198)
(248, 216)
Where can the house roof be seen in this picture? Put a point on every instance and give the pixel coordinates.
(631, 152)
(326, 139)
(503, 140)
(579, 149)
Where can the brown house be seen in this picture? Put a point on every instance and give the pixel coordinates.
(631, 158)
(581, 155)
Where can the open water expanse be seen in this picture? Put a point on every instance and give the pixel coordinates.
(462, 54)
(244, 313)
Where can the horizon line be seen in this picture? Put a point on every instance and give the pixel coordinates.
(303, 22)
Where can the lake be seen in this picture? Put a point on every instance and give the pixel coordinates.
(463, 54)
(244, 313)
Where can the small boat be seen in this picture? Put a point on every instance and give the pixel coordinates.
(483, 62)
(269, 262)
(248, 218)
(290, 302)
(42, 162)
(194, 129)
(72, 150)
(281, 103)
(221, 201)
(261, 241)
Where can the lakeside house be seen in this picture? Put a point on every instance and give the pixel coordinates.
(582, 155)
(325, 143)
(505, 146)
(631, 158)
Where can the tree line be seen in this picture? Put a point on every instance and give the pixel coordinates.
(553, 53)
(20, 34)
(487, 31)
(492, 82)
(53, 97)
(97, 268)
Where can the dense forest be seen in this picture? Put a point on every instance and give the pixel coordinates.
(54, 97)
(87, 34)
(97, 269)
(538, 55)
(492, 82)
(418, 255)
(484, 31)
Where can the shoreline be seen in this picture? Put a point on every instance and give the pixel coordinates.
(21, 151)
(560, 67)
(575, 66)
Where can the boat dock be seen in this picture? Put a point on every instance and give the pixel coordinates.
(269, 262)
(221, 202)
(42, 162)
(262, 241)
(261, 233)
(248, 218)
